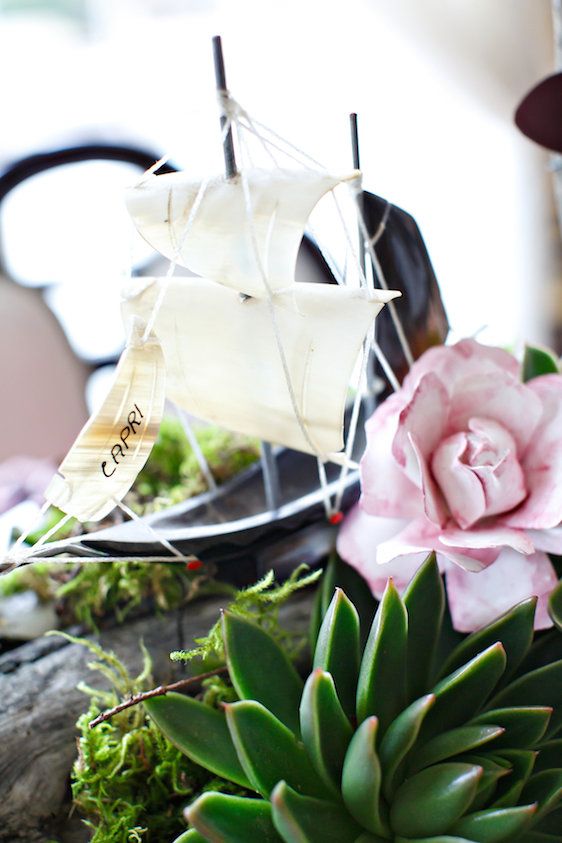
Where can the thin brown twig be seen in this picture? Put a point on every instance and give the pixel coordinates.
(154, 692)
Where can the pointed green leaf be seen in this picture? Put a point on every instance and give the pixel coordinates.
(316, 615)
(200, 732)
(431, 801)
(425, 603)
(555, 605)
(235, 819)
(545, 649)
(522, 763)
(441, 838)
(269, 751)
(538, 361)
(546, 789)
(464, 692)
(542, 687)
(524, 726)
(326, 731)
(302, 819)
(515, 631)
(551, 823)
(381, 690)
(494, 769)
(371, 838)
(337, 648)
(398, 741)
(260, 670)
(191, 836)
(539, 837)
(341, 575)
(550, 755)
(451, 743)
(361, 779)
(497, 826)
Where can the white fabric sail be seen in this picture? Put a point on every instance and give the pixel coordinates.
(219, 242)
(115, 443)
(223, 362)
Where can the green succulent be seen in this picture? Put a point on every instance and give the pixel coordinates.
(404, 739)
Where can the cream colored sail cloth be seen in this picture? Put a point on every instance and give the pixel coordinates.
(223, 362)
(115, 443)
(220, 241)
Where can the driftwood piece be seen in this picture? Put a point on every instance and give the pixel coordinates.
(39, 705)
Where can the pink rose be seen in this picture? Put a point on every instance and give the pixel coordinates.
(466, 460)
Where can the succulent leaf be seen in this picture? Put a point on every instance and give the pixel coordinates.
(538, 361)
(268, 751)
(302, 819)
(544, 788)
(499, 826)
(198, 731)
(339, 574)
(326, 731)
(550, 755)
(337, 648)
(494, 769)
(522, 763)
(514, 629)
(555, 605)
(361, 780)
(191, 836)
(430, 802)
(260, 670)
(475, 761)
(464, 692)
(454, 742)
(524, 726)
(542, 687)
(441, 838)
(398, 741)
(381, 690)
(219, 817)
(424, 599)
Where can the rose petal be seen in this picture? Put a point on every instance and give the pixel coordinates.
(477, 599)
(542, 462)
(495, 535)
(548, 540)
(425, 417)
(357, 543)
(494, 460)
(386, 491)
(497, 396)
(462, 489)
(465, 358)
(434, 505)
(421, 535)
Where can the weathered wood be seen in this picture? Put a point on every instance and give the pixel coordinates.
(39, 705)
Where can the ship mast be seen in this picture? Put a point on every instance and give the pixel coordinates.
(269, 465)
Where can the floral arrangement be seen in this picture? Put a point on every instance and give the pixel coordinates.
(465, 459)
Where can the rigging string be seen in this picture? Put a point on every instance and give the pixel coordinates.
(149, 529)
(370, 342)
(271, 308)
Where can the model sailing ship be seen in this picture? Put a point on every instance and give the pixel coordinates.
(241, 344)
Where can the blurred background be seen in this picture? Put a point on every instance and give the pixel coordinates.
(435, 84)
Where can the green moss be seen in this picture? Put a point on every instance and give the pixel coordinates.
(128, 781)
(127, 773)
(88, 592)
(260, 603)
